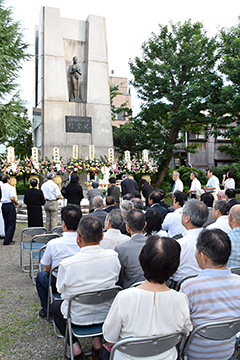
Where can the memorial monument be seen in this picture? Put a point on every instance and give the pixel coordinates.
(72, 101)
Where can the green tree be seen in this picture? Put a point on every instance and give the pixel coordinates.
(13, 50)
(230, 68)
(114, 92)
(177, 82)
(22, 141)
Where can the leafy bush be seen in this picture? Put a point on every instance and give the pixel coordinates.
(21, 187)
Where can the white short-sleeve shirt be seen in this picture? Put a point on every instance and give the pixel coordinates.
(8, 191)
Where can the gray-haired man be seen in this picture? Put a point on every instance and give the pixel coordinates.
(194, 215)
(113, 236)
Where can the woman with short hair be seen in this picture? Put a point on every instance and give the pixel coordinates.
(150, 308)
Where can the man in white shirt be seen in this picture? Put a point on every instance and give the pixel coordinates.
(113, 236)
(92, 268)
(194, 215)
(8, 201)
(173, 221)
(195, 185)
(51, 194)
(57, 250)
(178, 184)
(213, 185)
(220, 213)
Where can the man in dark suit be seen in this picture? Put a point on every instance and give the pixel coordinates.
(154, 202)
(128, 185)
(146, 190)
(114, 190)
(97, 205)
(128, 252)
(111, 204)
(230, 197)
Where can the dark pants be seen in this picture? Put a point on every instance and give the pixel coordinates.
(59, 319)
(9, 217)
(42, 284)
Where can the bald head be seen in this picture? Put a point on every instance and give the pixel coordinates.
(221, 195)
(234, 218)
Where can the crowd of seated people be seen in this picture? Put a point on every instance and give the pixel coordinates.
(155, 249)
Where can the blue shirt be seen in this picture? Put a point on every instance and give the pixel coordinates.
(214, 295)
(234, 259)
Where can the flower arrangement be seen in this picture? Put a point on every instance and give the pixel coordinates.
(75, 166)
(93, 166)
(147, 167)
(12, 169)
(28, 167)
(48, 165)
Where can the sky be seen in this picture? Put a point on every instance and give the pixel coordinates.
(128, 23)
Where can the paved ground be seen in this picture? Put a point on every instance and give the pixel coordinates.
(23, 335)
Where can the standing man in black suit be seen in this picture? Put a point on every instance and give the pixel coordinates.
(154, 202)
(128, 185)
(114, 190)
(146, 189)
(230, 197)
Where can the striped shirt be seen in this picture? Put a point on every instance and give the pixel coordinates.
(213, 295)
(234, 259)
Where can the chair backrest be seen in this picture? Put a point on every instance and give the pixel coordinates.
(43, 238)
(57, 229)
(148, 346)
(181, 281)
(33, 231)
(218, 330)
(137, 283)
(235, 270)
(94, 297)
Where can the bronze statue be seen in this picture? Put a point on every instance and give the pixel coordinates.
(75, 72)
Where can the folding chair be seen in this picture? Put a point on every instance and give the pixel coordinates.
(218, 330)
(181, 281)
(58, 230)
(235, 270)
(145, 347)
(91, 298)
(25, 244)
(52, 296)
(35, 257)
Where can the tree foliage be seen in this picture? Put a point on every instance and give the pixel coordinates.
(13, 50)
(22, 141)
(230, 68)
(176, 80)
(114, 92)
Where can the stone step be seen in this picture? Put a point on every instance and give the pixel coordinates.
(22, 209)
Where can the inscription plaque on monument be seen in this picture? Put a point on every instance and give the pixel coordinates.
(82, 124)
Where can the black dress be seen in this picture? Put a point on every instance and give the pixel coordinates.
(34, 200)
(74, 194)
